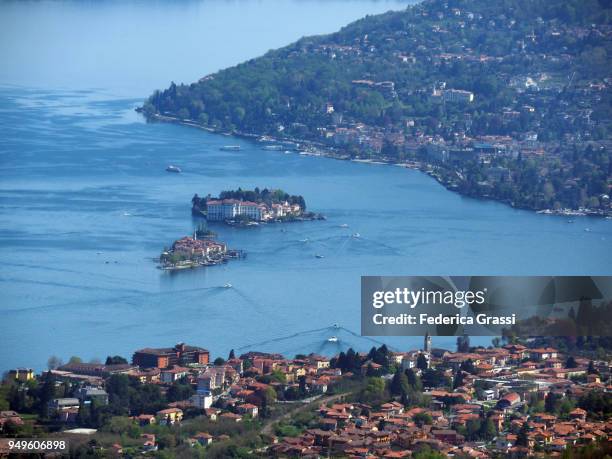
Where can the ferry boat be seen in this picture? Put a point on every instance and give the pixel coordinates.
(175, 169)
(230, 148)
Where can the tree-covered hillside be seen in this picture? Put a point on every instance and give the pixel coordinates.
(488, 43)
(443, 72)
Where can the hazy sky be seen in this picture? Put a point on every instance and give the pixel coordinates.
(133, 47)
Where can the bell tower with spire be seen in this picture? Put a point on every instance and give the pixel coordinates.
(427, 343)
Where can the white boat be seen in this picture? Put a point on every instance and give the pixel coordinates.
(172, 168)
(332, 339)
(588, 230)
(356, 235)
(344, 225)
(230, 148)
(228, 285)
(304, 240)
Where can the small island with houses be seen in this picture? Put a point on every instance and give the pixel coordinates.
(252, 207)
(195, 251)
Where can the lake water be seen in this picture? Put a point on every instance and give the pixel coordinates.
(85, 203)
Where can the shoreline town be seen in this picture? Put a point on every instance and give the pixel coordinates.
(431, 168)
(511, 399)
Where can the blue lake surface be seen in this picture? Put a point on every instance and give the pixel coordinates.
(86, 205)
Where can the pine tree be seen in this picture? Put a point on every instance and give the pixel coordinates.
(371, 371)
(47, 393)
(421, 362)
(352, 360)
(522, 438)
(399, 383)
(458, 379)
(550, 402)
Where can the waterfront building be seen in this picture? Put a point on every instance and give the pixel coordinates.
(181, 354)
(229, 209)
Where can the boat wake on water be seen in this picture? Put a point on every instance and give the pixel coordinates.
(327, 340)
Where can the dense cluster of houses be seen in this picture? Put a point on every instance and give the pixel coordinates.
(504, 381)
(353, 430)
(517, 128)
(499, 388)
(190, 247)
(232, 384)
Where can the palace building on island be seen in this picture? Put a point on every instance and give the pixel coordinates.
(230, 209)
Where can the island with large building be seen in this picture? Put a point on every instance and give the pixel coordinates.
(252, 207)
